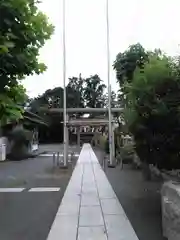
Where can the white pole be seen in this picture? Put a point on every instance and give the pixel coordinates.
(64, 83)
(109, 85)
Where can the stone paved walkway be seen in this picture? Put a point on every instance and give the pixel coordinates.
(90, 209)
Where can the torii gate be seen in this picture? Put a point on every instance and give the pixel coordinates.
(78, 123)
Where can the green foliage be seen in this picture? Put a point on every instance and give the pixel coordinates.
(142, 99)
(126, 62)
(75, 92)
(152, 110)
(141, 91)
(23, 31)
(94, 92)
(80, 93)
(11, 102)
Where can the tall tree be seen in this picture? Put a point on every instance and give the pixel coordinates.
(127, 61)
(94, 92)
(152, 110)
(75, 91)
(23, 31)
(89, 92)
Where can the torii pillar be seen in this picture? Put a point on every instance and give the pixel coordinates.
(78, 136)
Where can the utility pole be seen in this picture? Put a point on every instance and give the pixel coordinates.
(109, 87)
(64, 84)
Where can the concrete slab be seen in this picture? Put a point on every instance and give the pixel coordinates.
(90, 199)
(119, 228)
(111, 206)
(95, 233)
(91, 216)
(69, 208)
(64, 227)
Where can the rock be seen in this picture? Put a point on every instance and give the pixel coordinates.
(170, 197)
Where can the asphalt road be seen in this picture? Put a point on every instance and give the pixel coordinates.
(140, 200)
(29, 215)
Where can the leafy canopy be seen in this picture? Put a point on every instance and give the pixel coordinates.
(126, 62)
(81, 92)
(23, 31)
(11, 103)
(94, 95)
(152, 109)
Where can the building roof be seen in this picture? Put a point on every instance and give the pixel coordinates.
(89, 122)
(34, 118)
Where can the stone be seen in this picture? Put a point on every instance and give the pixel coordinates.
(170, 198)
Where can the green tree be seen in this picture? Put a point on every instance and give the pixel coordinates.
(126, 62)
(75, 92)
(23, 31)
(114, 100)
(81, 93)
(94, 92)
(11, 102)
(89, 92)
(51, 98)
(152, 111)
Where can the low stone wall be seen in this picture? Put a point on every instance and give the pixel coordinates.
(170, 194)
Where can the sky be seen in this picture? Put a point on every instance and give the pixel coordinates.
(153, 23)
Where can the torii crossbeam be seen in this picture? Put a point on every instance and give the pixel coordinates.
(83, 110)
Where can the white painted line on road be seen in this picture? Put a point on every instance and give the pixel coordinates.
(46, 155)
(11, 190)
(44, 189)
(49, 155)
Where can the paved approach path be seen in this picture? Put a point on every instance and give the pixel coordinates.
(90, 209)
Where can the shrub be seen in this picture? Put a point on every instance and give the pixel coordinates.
(152, 112)
(21, 139)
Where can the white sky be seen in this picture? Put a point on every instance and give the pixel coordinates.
(153, 23)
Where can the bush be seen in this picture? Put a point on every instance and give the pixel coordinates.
(21, 139)
(153, 112)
